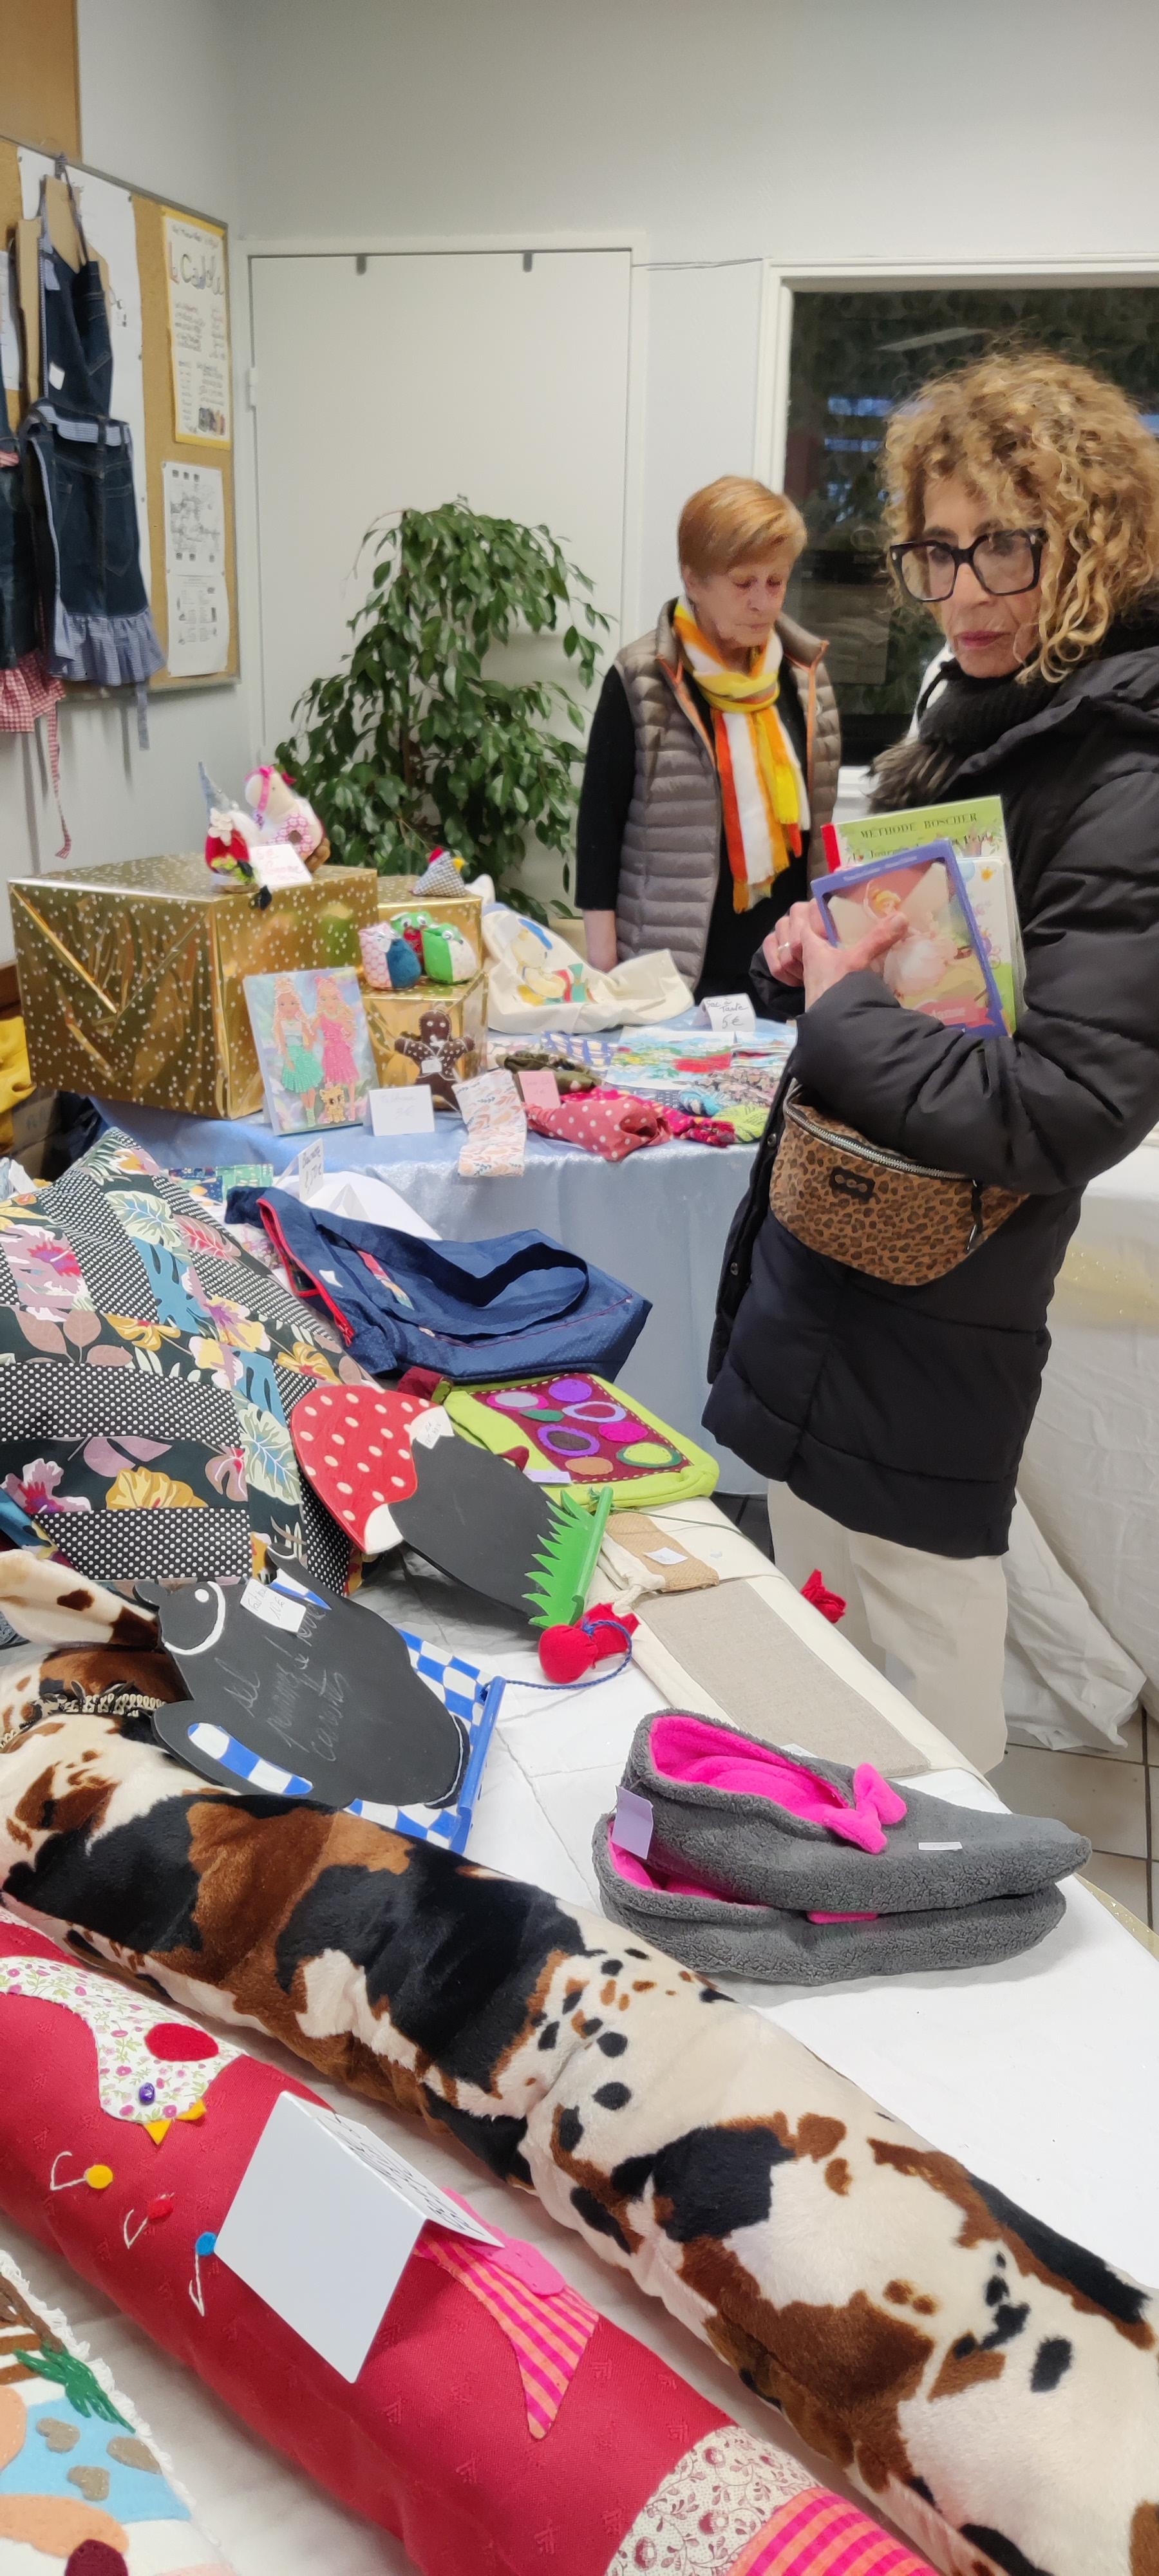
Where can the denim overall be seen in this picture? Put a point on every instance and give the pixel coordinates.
(97, 625)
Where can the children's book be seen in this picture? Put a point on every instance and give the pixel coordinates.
(977, 835)
(940, 966)
(313, 1048)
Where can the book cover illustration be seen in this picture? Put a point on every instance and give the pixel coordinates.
(313, 1048)
(976, 832)
(941, 966)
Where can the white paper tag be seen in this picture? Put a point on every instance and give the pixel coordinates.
(273, 1607)
(275, 864)
(311, 1169)
(423, 2195)
(323, 2223)
(939, 1846)
(408, 1110)
(732, 1011)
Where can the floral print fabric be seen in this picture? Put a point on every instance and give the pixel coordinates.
(157, 1440)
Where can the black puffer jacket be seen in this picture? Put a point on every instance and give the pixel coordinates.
(903, 1411)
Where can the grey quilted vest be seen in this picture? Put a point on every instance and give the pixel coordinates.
(670, 862)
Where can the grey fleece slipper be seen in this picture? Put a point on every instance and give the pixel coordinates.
(846, 1842)
(722, 1939)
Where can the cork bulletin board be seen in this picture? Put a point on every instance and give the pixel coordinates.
(151, 220)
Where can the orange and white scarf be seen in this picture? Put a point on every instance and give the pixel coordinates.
(766, 806)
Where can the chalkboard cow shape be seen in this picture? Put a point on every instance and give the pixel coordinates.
(292, 1690)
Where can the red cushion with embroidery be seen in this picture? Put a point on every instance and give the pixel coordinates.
(491, 2391)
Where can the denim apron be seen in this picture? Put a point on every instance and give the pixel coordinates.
(27, 687)
(97, 625)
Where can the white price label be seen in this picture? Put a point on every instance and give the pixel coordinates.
(732, 1014)
(275, 864)
(311, 1169)
(322, 2226)
(273, 1607)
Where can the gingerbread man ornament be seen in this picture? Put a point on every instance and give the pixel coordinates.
(437, 1053)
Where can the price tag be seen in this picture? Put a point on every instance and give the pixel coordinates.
(272, 1607)
(276, 864)
(311, 1169)
(731, 1011)
(540, 1089)
(323, 2223)
(401, 1111)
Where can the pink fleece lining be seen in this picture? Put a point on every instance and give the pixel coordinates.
(662, 1883)
(700, 1756)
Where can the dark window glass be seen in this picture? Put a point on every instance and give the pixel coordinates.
(855, 355)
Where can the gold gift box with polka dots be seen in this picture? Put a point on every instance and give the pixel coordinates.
(132, 977)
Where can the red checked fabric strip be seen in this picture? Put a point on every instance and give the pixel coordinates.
(549, 2336)
(27, 692)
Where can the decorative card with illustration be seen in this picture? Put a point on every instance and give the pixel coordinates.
(313, 1048)
(941, 966)
(976, 831)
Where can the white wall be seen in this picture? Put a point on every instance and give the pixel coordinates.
(732, 132)
(159, 110)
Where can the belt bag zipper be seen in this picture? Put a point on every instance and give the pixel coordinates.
(859, 1149)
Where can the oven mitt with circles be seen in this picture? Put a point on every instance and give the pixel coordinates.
(751, 1820)
(293, 1691)
(722, 1936)
(390, 1470)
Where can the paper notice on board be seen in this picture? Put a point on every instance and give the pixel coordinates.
(199, 624)
(198, 330)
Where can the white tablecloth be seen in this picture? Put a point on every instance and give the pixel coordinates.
(1090, 1473)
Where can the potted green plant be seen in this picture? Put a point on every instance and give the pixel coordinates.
(417, 738)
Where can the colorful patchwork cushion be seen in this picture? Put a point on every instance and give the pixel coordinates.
(149, 1368)
(990, 2386)
(81, 2487)
(499, 2421)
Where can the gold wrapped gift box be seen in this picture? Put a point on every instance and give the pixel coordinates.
(433, 1032)
(132, 977)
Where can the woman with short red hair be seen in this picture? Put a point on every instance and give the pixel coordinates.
(713, 755)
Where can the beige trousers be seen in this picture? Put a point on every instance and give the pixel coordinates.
(934, 1625)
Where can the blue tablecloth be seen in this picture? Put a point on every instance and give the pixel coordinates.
(657, 1220)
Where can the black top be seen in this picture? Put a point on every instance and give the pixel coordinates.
(734, 938)
(902, 1411)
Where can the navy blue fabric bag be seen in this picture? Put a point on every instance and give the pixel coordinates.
(469, 1310)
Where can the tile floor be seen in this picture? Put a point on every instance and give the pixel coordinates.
(1112, 1796)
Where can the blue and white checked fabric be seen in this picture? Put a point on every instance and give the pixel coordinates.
(462, 1689)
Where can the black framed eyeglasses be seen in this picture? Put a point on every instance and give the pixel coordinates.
(1005, 559)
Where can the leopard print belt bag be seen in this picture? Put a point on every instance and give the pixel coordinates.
(873, 1209)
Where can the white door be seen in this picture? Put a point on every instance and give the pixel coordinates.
(420, 377)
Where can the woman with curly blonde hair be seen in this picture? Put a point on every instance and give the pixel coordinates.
(1024, 499)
